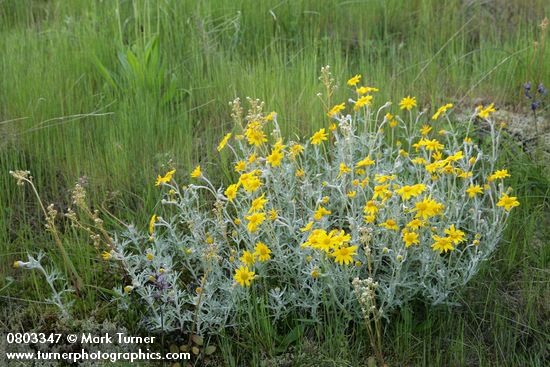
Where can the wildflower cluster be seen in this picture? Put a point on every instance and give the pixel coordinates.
(410, 203)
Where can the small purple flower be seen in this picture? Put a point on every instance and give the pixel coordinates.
(527, 88)
(543, 91)
(535, 105)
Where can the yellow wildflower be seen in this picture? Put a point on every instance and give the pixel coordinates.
(223, 142)
(455, 235)
(244, 276)
(427, 208)
(443, 244)
(499, 174)
(407, 103)
(508, 202)
(152, 222)
(415, 224)
(344, 255)
(362, 102)
(275, 158)
(472, 190)
(319, 137)
(262, 252)
(273, 214)
(255, 134)
(257, 204)
(166, 178)
(336, 109)
(354, 80)
(365, 162)
(485, 112)
(240, 166)
(248, 258)
(370, 207)
(296, 149)
(441, 111)
(425, 130)
(410, 238)
(231, 191)
(343, 169)
(196, 172)
(254, 221)
(408, 192)
(321, 212)
(307, 227)
(365, 90)
(390, 224)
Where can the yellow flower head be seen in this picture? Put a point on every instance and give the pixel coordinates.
(500, 174)
(248, 258)
(257, 204)
(362, 102)
(442, 244)
(415, 224)
(390, 224)
(152, 222)
(365, 162)
(410, 238)
(353, 81)
(231, 191)
(296, 149)
(223, 142)
(370, 207)
(271, 116)
(321, 212)
(254, 134)
(240, 166)
(508, 202)
(273, 215)
(250, 181)
(408, 192)
(365, 90)
(380, 191)
(244, 276)
(262, 252)
(455, 235)
(254, 221)
(407, 103)
(441, 111)
(473, 190)
(307, 227)
(344, 169)
(344, 255)
(319, 137)
(484, 112)
(425, 130)
(428, 208)
(336, 109)
(196, 172)
(166, 178)
(275, 157)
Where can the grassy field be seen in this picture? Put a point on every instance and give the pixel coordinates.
(110, 92)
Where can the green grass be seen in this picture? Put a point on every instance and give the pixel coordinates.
(114, 90)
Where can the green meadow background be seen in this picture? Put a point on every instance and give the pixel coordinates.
(113, 92)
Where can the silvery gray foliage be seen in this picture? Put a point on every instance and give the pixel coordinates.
(57, 283)
(183, 273)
